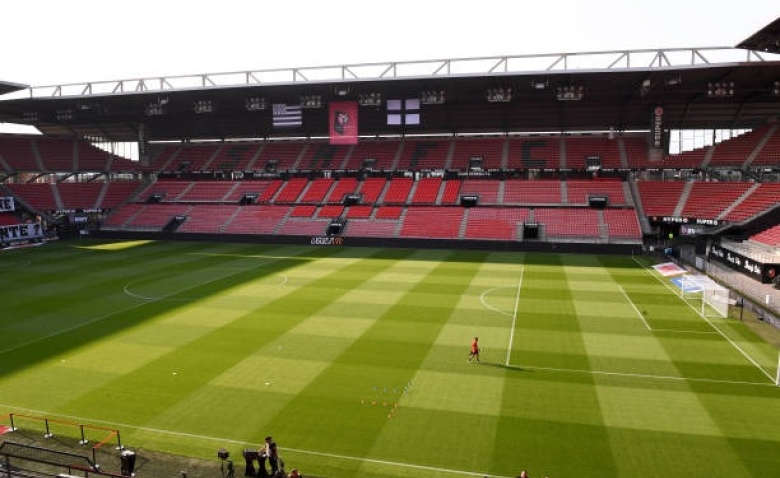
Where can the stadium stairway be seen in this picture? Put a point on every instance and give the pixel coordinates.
(686, 192)
(636, 199)
(739, 201)
(759, 147)
(229, 220)
(463, 223)
(622, 151)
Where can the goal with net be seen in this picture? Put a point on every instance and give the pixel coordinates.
(710, 297)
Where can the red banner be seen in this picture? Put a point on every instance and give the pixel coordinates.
(343, 117)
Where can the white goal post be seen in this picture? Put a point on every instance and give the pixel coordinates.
(714, 298)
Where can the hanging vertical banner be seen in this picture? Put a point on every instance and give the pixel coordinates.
(343, 118)
(657, 131)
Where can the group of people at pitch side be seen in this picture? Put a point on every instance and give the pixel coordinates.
(524, 474)
(268, 453)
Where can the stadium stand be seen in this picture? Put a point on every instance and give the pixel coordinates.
(660, 198)
(389, 196)
(604, 151)
(533, 192)
(770, 237)
(417, 222)
(710, 199)
(488, 152)
(499, 223)
(565, 223)
(398, 191)
(760, 199)
(427, 191)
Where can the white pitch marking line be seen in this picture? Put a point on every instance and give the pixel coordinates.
(239, 442)
(514, 316)
(704, 332)
(483, 301)
(744, 354)
(640, 375)
(111, 314)
(641, 316)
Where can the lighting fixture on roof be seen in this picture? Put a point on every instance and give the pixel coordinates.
(539, 85)
(370, 99)
(674, 81)
(64, 115)
(311, 101)
(776, 89)
(255, 103)
(432, 97)
(645, 87)
(720, 89)
(569, 93)
(203, 106)
(153, 109)
(499, 95)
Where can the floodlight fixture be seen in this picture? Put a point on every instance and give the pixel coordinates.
(370, 99)
(311, 101)
(255, 103)
(720, 89)
(203, 106)
(64, 115)
(501, 94)
(432, 97)
(569, 93)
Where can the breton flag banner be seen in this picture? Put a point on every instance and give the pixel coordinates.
(285, 115)
(343, 122)
(400, 112)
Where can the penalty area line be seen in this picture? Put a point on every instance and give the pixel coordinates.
(640, 375)
(622, 291)
(733, 344)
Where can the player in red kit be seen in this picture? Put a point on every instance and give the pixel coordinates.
(474, 354)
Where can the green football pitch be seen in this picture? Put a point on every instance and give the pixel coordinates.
(355, 360)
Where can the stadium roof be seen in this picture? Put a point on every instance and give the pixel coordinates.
(767, 39)
(718, 87)
(8, 87)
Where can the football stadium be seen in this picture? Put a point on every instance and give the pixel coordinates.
(263, 271)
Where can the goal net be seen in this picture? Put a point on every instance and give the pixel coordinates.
(706, 294)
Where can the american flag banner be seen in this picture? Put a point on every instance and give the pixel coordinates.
(285, 115)
(403, 112)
